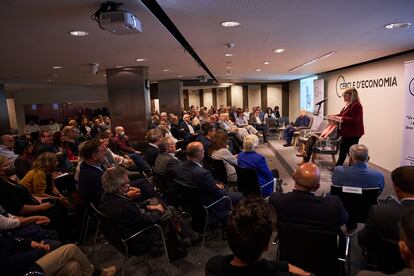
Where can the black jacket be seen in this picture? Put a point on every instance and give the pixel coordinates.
(151, 154)
(90, 184)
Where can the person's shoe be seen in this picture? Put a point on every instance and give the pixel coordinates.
(177, 255)
(331, 169)
(259, 135)
(108, 271)
(302, 154)
(287, 145)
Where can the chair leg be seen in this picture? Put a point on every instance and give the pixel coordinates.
(123, 264)
(167, 258)
(94, 240)
(204, 238)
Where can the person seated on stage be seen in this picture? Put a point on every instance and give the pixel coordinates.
(7, 144)
(302, 207)
(241, 121)
(329, 133)
(219, 151)
(228, 126)
(192, 173)
(382, 223)
(405, 245)
(357, 174)
(250, 159)
(151, 152)
(131, 217)
(259, 123)
(250, 229)
(301, 122)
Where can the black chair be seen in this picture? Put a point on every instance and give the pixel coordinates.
(111, 233)
(167, 188)
(313, 251)
(201, 217)
(273, 124)
(248, 183)
(217, 168)
(357, 202)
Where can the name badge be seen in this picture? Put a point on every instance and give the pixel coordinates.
(352, 190)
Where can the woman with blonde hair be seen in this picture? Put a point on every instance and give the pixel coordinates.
(351, 123)
(39, 180)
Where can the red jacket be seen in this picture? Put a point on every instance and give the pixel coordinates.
(352, 120)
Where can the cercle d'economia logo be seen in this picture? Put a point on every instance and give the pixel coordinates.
(340, 85)
(411, 87)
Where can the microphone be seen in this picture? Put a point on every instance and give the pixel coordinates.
(321, 102)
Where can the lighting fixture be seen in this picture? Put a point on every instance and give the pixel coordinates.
(278, 51)
(228, 67)
(180, 76)
(119, 66)
(79, 33)
(104, 76)
(228, 55)
(57, 67)
(166, 70)
(140, 59)
(398, 25)
(230, 24)
(258, 70)
(266, 62)
(312, 61)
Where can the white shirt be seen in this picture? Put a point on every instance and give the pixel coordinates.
(258, 121)
(31, 128)
(190, 127)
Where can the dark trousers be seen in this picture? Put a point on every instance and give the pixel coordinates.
(309, 148)
(346, 143)
(289, 134)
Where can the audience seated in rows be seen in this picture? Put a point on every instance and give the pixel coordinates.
(251, 229)
(242, 121)
(153, 138)
(259, 123)
(219, 151)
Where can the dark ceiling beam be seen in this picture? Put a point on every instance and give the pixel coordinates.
(160, 14)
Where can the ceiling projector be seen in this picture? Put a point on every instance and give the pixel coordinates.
(119, 22)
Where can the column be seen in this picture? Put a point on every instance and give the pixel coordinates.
(4, 114)
(129, 100)
(171, 96)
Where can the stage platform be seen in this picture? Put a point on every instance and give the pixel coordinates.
(288, 159)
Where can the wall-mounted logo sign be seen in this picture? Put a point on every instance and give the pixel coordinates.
(411, 87)
(342, 84)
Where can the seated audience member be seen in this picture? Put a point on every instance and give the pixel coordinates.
(165, 127)
(186, 126)
(219, 151)
(53, 126)
(302, 121)
(277, 112)
(250, 159)
(84, 128)
(382, 223)
(96, 128)
(177, 131)
(151, 152)
(250, 229)
(19, 256)
(106, 124)
(192, 173)
(269, 114)
(23, 163)
(39, 181)
(7, 147)
(405, 244)
(357, 174)
(31, 127)
(329, 133)
(74, 125)
(45, 143)
(226, 125)
(70, 142)
(207, 132)
(241, 121)
(131, 217)
(303, 207)
(258, 122)
(166, 163)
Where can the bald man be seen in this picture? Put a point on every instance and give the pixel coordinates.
(302, 207)
(191, 172)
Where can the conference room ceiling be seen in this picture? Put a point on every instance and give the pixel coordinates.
(35, 38)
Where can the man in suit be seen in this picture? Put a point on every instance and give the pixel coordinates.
(191, 172)
(405, 245)
(153, 137)
(259, 123)
(302, 207)
(186, 125)
(382, 223)
(166, 163)
(358, 174)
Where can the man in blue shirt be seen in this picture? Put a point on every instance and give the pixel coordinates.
(358, 174)
(301, 122)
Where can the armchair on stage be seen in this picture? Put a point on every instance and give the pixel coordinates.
(330, 147)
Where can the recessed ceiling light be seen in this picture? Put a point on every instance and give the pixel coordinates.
(119, 66)
(104, 76)
(180, 76)
(79, 33)
(258, 70)
(228, 55)
(266, 62)
(140, 59)
(230, 24)
(166, 70)
(312, 61)
(398, 25)
(228, 67)
(49, 80)
(278, 51)
(57, 67)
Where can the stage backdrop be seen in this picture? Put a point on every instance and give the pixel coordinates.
(318, 95)
(407, 151)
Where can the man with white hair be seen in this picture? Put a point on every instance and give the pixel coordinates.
(230, 128)
(7, 147)
(358, 174)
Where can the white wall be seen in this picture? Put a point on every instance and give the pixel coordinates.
(55, 95)
(294, 99)
(221, 97)
(383, 106)
(254, 96)
(207, 97)
(274, 96)
(237, 95)
(11, 109)
(194, 97)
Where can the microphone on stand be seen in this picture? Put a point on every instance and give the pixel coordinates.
(321, 102)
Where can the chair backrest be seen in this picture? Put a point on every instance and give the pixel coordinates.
(247, 181)
(110, 229)
(386, 258)
(313, 251)
(284, 120)
(357, 201)
(322, 126)
(272, 122)
(217, 168)
(190, 200)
